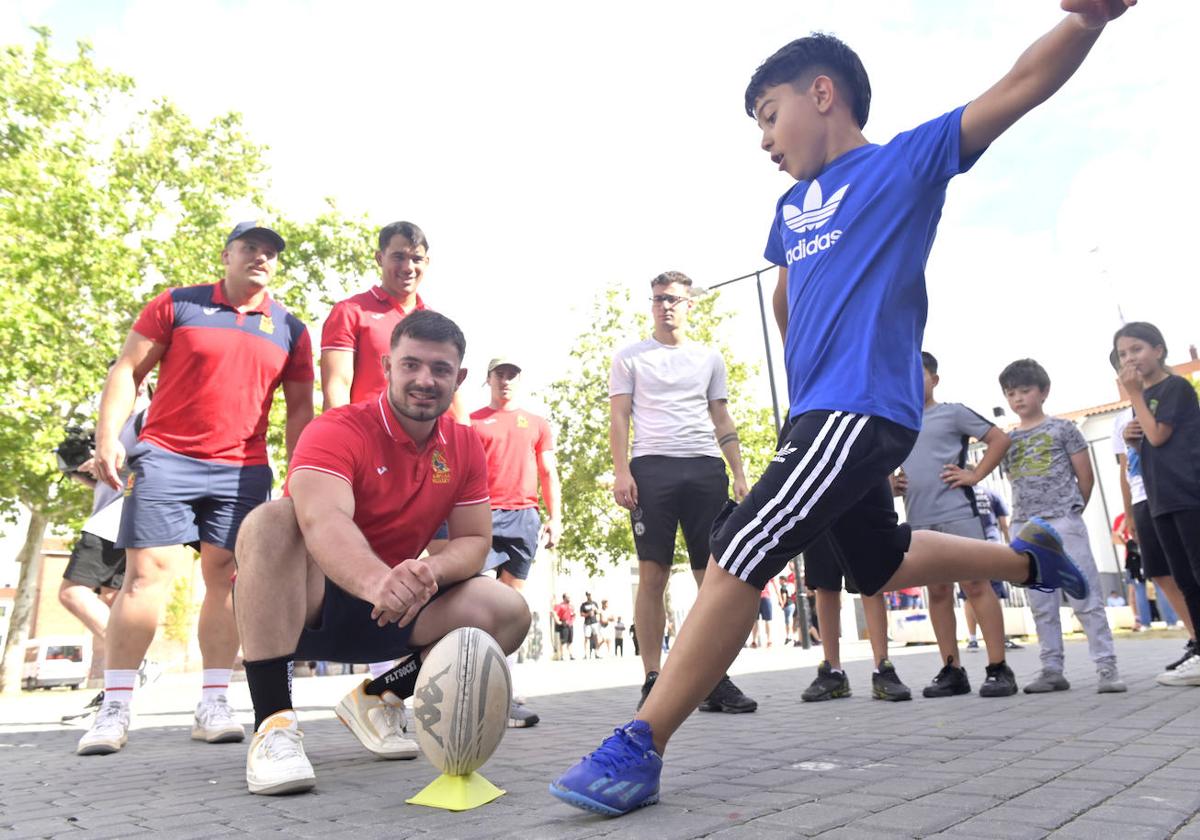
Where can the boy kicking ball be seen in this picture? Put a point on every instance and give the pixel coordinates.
(851, 239)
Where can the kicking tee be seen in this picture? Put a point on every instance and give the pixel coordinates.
(512, 442)
(945, 437)
(671, 388)
(855, 240)
(402, 492)
(363, 325)
(1039, 467)
(1172, 471)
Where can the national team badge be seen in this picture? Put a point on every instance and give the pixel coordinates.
(522, 421)
(441, 468)
(266, 325)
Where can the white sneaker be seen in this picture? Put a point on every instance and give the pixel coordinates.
(214, 723)
(378, 722)
(1186, 672)
(276, 762)
(109, 732)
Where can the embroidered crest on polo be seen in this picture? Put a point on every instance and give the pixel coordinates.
(816, 211)
(441, 468)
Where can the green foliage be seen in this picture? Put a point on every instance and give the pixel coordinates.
(596, 530)
(101, 206)
(181, 609)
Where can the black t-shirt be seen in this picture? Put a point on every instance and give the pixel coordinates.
(589, 609)
(1172, 471)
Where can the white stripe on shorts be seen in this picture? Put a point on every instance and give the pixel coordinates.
(776, 518)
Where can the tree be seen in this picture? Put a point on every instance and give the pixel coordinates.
(596, 531)
(95, 217)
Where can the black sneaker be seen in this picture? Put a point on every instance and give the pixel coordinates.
(886, 685)
(827, 686)
(1000, 682)
(1189, 650)
(727, 697)
(1013, 644)
(93, 705)
(951, 680)
(646, 686)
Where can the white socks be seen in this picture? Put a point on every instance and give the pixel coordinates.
(215, 684)
(118, 686)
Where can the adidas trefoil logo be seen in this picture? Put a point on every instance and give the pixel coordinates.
(815, 214)
(784, 451)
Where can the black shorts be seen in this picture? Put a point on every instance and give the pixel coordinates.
(345, 631)
(95, 562)
(566, 634)
(823, 565)
(829, 475)
(1154, 559)
(674, 492)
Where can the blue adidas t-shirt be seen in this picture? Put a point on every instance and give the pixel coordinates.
(855, 241)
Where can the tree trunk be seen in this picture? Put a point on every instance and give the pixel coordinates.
(18, 626)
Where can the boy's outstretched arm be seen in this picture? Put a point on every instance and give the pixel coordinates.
(1039, 72)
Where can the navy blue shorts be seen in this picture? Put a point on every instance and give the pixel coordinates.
(830, 474)
(514, 541)
(175, 500)
(345, 631)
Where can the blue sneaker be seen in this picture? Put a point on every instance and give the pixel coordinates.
(1055, 569)
(619, 777)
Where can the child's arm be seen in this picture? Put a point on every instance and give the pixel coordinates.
(1039, 72)
(1081, 462)
(779, 303)
(997, 443)
(1126, 498)
(1156, 432)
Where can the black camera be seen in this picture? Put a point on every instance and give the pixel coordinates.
(75, 449)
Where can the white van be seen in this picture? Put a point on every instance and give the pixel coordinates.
(54, 661)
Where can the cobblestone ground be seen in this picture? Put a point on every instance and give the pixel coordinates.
(1069, 765)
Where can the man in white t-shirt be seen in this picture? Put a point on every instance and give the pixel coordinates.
(675, 393)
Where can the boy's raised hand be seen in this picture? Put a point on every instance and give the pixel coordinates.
(1095, 13)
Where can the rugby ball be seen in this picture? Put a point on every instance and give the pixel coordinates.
(462, 701)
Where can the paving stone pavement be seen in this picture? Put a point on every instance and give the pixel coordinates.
(1068, 765)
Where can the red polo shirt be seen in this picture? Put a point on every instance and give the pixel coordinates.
(363, 325)
(219, 372)
(512, 441)
(402, 493)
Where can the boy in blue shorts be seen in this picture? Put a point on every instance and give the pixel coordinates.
(854, 234)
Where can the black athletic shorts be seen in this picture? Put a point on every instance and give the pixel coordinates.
(674, 492)
(823, 565)
(95, 562)
(829, 475)
(345, 631)
(1154, 559)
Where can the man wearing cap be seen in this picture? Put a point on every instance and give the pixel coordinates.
(519, 447)
(200, 463)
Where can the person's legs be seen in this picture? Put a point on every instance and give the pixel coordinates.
(217, 630)
(972, 621)
(945, 625)
(1173, 530)
(135, 612)
(85, 604)
(829, 617)
(875, 612)
(649, 612)
(984, 603)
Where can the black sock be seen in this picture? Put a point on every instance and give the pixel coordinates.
(401, 680)
(1032, 579)
(270, 684)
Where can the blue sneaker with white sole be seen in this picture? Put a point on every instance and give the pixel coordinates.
(1055, 569)
(619, 777)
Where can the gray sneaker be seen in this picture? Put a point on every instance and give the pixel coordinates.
(1110, 681)
(1046, 682)
(520, 716)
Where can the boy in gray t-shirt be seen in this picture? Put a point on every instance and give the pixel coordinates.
(939, 495)
(1052, 477)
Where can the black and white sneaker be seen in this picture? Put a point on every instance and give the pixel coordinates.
(1000, 681)
(91, 708)
(886, 685)
(1189, 650)
(727, 697)
(951, 680)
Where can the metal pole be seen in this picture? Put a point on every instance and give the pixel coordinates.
(762, 310)
(802, 605)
